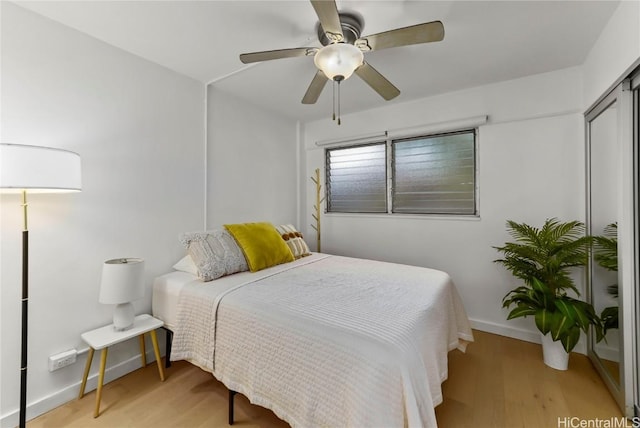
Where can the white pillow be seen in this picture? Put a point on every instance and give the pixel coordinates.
(186, 264)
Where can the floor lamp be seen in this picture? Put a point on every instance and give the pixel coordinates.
(34, 169)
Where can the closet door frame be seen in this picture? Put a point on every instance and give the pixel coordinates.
(635, 88)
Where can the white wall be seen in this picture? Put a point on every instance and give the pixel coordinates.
(139, 129)
(531, 167)
(617, 48)
(252, 160)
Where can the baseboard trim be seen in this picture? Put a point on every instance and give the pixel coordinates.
(503, 330)
(70, 393)
(532, 336)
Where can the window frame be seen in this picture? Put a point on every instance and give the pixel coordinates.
(388, 141)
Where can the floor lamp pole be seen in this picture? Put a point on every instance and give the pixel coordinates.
(25, 309)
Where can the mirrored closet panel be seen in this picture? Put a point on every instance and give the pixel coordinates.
(603, 221)
(612, 186)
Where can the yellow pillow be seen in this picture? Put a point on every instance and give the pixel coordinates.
(261, 244)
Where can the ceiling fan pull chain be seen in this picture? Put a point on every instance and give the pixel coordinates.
(333, 87)
(338, 102)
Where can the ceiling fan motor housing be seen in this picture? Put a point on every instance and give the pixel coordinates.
(352, 25)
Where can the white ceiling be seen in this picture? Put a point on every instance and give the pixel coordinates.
(485, 42)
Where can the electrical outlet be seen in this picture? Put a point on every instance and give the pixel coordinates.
(62, 359)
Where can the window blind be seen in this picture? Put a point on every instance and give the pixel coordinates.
(435, 174)
(357, 179)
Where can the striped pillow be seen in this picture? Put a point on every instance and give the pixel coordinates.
(294, 240)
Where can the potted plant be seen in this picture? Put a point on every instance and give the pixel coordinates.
(543, 258)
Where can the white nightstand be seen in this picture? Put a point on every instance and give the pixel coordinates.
(103, 337)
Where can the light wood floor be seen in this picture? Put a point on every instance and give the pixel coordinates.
(498, 382)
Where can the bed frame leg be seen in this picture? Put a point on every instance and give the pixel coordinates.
(169, 339)
(231, 396)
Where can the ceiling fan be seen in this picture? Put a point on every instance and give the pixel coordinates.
(343, 50)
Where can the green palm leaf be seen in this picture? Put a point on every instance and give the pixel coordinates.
(581, 316)
(521, 311)
(547, 253)
(606, 248)
(567, 310)
(560, 325)
(543, 320)
(570, 340)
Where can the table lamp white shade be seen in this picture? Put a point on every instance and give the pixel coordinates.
(122, 282)
(39, 169)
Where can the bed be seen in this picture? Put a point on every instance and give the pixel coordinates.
(323, 340)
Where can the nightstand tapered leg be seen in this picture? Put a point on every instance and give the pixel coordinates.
(103, 364)
(156, 349)
(143, 351)
(87, 367)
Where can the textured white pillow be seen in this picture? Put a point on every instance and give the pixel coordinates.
(215, 253)
(186, 264)
(294, 240)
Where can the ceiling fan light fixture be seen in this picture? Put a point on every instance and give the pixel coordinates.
(338, 61)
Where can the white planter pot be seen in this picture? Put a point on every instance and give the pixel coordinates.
(554, 354)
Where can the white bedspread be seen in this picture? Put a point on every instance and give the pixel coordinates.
(330, 341)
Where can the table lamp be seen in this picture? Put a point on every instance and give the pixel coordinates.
(122, 282)
(34, 169)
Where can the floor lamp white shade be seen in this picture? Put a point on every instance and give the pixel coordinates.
(39, 169)
(34, 169)
(122, 282)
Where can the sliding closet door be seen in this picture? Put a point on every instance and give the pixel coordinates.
(612, 214)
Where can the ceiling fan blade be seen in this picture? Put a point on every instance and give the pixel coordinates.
(377, 81)
(315, 88)
(415, 34)
(327, 12)
(248, 58)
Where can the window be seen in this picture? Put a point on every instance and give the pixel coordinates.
(357, 179)
(433, 174)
